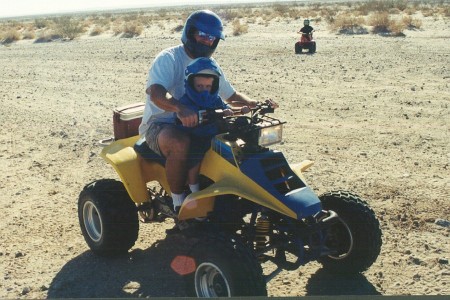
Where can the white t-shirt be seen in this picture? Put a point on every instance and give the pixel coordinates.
(168, 70)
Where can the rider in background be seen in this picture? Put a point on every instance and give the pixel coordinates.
(306, 28)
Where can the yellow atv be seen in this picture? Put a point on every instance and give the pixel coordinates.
(253, 207)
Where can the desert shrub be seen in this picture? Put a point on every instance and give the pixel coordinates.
(28, 35)
(239, 28)
(230, 14)
(131, 29)
(383, 24)
(42, 23)
(10, 36)
(46, 36)
(348, 24)
(374, 6)
(411, 23)
(280, 9)
(68, 27)
(380, 22)
(445, 11)
(396, 28)
(97, 30)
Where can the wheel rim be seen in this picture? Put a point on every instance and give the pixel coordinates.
(92, 221)
(210, 281)
(340, 240)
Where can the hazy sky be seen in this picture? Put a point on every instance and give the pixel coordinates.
(13, 8)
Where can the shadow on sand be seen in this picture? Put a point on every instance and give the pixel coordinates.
(146, 273)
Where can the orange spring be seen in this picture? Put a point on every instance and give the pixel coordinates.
(262, 232)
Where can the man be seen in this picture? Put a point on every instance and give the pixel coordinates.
(201, 35)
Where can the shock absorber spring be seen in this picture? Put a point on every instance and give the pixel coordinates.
(262, 233)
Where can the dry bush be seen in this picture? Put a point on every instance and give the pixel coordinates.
(396, 28)
(97, 30)
(131, 29)
(47, 35)
(230, 14)
(383, 24)
(378, 6)
(281, 10)
(445, 11)
(67, 27)
(28, 35)
(239, 28)
(411, 23)
(10, 36)
(380, 22)
(42, 23)
(348, 24)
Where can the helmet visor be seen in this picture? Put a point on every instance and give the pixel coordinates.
(206, 36)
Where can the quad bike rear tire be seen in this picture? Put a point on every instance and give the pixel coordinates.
(108, 217)
(224, 267)
(356, 239)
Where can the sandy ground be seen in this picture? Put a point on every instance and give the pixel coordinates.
(372, 112)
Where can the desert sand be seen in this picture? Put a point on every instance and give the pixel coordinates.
(371, 111)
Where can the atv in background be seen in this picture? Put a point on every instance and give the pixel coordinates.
(306, 42)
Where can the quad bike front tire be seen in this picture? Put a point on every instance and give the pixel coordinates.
(108, 217)
(355, 241)
(312, 48)
(224, 267)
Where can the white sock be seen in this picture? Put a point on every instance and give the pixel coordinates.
(178, 199)
(194, 187)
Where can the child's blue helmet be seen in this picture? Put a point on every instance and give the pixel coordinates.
(206, 67)
(207, 22)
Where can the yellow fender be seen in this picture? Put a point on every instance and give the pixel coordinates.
(301, 167)
(133, 171)
(228, 180)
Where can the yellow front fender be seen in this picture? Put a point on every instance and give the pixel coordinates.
(200, 203)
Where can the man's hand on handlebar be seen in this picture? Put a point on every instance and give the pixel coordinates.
(271, 103)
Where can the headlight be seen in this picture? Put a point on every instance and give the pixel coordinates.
(270, 135)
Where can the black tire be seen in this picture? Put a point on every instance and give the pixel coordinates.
(298, 48)
(312, 48)
(224, 267)
(108, 217)
(356, 239)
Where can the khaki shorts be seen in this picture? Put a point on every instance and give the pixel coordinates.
(151, 136)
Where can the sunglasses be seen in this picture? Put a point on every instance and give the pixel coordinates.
(206, 36)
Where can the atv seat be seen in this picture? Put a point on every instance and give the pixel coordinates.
(145, 152)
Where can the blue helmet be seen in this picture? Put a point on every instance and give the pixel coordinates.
(207, 22)
(203, 67)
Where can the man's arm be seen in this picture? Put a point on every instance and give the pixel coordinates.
(160, 97)
(239, 100)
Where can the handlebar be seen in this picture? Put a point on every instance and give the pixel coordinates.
(207, 116)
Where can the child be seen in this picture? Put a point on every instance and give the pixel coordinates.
(306, 29)
(201, 85)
